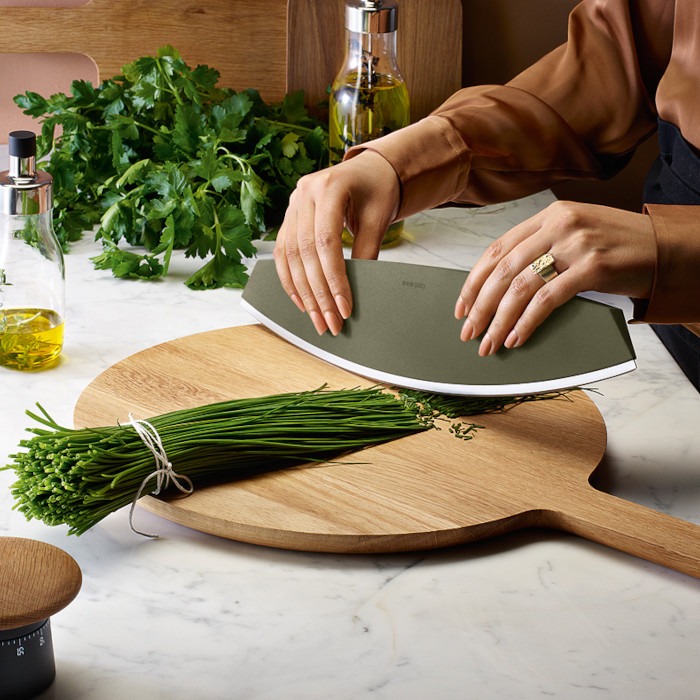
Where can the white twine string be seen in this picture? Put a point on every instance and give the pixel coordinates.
(164, 474)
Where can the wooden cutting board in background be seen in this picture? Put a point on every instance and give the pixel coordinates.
(527, 467)
(429, 50)
(275, 46)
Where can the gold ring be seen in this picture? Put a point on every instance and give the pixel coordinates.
(544, 267)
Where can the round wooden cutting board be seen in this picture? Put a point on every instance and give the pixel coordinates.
(528, 466)
(426, 490)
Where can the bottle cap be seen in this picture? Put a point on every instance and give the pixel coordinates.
(371, 16)
(24, 190)
(22, 144)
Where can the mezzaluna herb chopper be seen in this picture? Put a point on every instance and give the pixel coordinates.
(36, 581)
(368, 97)
(32, 278)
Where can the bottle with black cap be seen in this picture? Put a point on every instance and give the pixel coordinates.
(32, 277)
(369, 97)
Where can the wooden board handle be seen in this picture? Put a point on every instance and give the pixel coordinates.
(632, 528)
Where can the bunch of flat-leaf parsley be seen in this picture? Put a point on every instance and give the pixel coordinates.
(162, 158)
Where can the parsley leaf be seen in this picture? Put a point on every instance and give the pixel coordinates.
(162, 158)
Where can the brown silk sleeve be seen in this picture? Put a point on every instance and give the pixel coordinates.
(579, 112)
(675, 295)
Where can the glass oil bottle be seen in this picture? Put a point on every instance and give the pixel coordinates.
(368, 97)
(32, 277)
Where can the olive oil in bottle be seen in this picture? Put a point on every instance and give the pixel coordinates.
(359, 114)
(368, 98)
(30, 338)
(32, 296)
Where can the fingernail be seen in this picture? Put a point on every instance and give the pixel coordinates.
(343, 305)
(467, 331)
(299, 304)
(486, 347)
(461, 310)
(319, 323)
(333, 322)
(512, 341)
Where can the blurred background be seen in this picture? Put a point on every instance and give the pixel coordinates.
(499, 39)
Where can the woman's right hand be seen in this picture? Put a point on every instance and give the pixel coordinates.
(362, 194)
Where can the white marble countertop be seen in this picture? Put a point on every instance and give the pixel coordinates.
(530, 614)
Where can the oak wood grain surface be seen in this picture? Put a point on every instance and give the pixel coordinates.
(244, 40)
(527, 467)
(429, 49)
(36, 581)
(275, 46)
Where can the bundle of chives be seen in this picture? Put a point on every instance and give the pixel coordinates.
(79, 476)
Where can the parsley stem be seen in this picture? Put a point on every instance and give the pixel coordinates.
(173, 91)
(140, 125)
(292, 127)
(146, 127)
(245, 165)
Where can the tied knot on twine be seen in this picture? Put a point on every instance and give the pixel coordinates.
(164, 474)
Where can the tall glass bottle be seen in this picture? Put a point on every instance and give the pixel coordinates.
(32, 277)
(368, 98)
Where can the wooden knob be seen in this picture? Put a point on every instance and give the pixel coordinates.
(36, 581)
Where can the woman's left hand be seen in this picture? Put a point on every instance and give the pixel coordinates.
(595, 248)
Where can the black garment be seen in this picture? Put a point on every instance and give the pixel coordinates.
(674, 178)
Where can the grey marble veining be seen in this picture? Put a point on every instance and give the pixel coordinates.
(530, 615)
